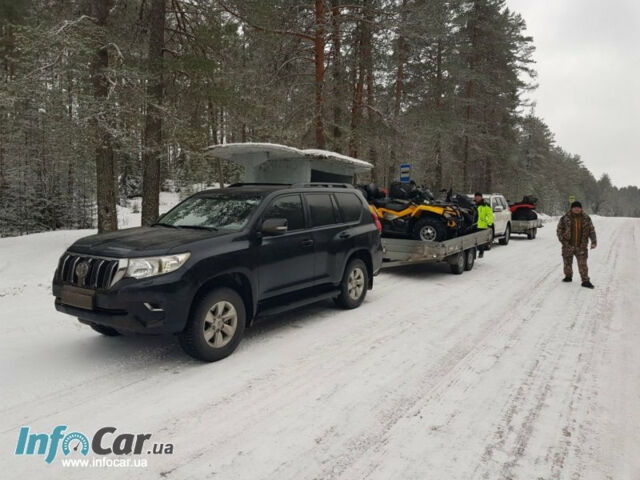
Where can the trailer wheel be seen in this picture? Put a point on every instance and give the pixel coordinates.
(492, 239)
(457, 263)
(470, 259)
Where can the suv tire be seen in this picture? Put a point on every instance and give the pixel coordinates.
(507, 236)
(215, 327)
(353, 288)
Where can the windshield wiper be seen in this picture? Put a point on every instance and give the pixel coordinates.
(200, 227)
(165, 225)
(196, 227)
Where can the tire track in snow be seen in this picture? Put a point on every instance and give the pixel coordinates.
(537, 382)
(266, 411)
(584, 396)
(345, 364)
(439, 378)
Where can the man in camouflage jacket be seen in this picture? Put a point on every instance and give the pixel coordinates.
(575, 229)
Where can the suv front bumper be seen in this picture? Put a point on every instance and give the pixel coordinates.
(157, 305)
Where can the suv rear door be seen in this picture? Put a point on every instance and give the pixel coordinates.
(330, 241)
(286, 262)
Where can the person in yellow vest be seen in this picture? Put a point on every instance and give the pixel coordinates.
(485, 218)
(575, 230)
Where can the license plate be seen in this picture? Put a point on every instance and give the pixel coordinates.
(77, 297)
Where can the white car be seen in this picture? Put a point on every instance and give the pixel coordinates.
(501, 217)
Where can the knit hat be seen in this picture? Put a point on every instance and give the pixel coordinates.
(576, 204)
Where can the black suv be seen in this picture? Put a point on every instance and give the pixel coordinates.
(220, 258)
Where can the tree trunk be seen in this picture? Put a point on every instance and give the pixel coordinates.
(152, 145)
(214, 140)
(469, 93)
(105, 168)
(356, 107)
(466, 160)
(337, 76)
(488, 175)
(319, 44)
(378, 173)
(401, 55)
(439, 108)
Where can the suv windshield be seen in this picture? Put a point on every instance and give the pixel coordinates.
(229, 212)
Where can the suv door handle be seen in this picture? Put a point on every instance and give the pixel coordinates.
(307, 242)
(344, 235)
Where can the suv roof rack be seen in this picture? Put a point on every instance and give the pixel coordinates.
(323, 184)
(257, 184)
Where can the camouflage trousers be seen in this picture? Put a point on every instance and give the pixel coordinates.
(581, 255)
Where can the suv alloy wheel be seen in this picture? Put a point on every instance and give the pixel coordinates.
(216, 326)
(353, 288)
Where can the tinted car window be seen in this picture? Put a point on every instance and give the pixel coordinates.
(350, 206)
(321, 209)
(289, 207)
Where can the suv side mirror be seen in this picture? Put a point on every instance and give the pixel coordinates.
(274, 226)
(498, 208)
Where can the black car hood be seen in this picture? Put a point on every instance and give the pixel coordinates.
(141, 241)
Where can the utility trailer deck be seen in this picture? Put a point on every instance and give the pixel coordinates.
(459, 252)
(526, 227)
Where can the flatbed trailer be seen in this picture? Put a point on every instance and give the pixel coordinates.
(526, 227)
(459, 252)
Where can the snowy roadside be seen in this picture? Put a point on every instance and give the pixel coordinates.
(503, 372)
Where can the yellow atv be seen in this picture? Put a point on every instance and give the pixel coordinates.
(417, 214)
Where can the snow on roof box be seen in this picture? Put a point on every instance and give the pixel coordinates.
(270, 162)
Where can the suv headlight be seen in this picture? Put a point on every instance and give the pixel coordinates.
(152, 266)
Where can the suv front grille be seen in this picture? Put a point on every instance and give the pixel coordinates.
(100, 272)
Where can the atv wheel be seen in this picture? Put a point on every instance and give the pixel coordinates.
(429, 229)
(106, 331)
(354, 284)
(507, 236)
(215, 327)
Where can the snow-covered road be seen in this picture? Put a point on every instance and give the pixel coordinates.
(501, 373)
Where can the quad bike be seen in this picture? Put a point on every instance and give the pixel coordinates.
(525, 209)
(413, 212)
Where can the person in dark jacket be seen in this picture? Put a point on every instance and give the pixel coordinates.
(575, 230)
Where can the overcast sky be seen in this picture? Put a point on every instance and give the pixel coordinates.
(588, 62)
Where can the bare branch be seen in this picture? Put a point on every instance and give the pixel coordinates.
(116, 48)
(172, 52)
(67, 23)
(44, 67)
(263, 29)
